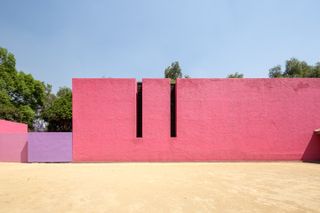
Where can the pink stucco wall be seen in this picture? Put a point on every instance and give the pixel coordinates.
(104, 119)
(248, 119)
(156, 109)
(13, 141)
(217, 119)
(12, 127)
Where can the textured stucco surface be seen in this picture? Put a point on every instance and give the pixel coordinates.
(160, 187)
(104, 119)
(50, 147)
(12, 127)
(248, 119)
(156, 109)
(13, 141)
(217, 119)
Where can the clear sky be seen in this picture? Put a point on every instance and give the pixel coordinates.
(60, 39)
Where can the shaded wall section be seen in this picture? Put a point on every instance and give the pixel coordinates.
(50, 147)
(13, 141)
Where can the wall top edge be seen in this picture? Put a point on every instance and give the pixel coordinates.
(12, 122)
(239, 79)
(155, 79)
(104, 79)
(188, 79)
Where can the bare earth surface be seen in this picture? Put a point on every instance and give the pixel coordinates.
(160, 187)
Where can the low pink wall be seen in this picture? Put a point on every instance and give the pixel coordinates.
(13, 141)
(12, 127)
(217, 119)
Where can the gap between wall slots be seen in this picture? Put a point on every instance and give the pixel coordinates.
(173, 121)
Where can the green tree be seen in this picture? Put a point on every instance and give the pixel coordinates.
(235, 75)
(295, 69)
(316, 71)
(58, 112)
(173, 72)
(275, 72)
(21, 96)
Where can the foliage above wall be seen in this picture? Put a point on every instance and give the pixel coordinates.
(58, 113)
(295, 69)
(174, 71)
(23, 98)
(27, 100)
(235, 75)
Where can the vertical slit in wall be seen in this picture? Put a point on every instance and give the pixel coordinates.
(173, 123)
(139, 110)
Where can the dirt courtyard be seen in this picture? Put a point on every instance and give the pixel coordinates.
(160, 187)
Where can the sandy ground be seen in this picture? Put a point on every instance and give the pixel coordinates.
(160, 187)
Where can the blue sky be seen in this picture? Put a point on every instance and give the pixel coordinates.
(58, 40)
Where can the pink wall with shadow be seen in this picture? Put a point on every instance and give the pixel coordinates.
(13, 141)
(217, 120)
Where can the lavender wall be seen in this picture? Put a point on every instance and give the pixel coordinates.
(50, 147)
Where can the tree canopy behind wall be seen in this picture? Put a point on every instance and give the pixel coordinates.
(174, 71)
(27, 100)
(21, 96)
(58, 113)
(235, 75)
(295, 69)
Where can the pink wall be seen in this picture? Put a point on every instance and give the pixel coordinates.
(217, 119)
(156, 109)
(13, 141)
(248, 119)
(104, 119)
(12, 127)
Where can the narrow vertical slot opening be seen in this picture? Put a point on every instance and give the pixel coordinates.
(139, 110)
(173, 123)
